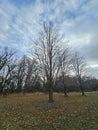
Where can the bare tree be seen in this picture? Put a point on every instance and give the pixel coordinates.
(79, 67)
(5, 56)
(6, 67)
(64, 62)
(45, 51)
(21, 72)
(31, 73)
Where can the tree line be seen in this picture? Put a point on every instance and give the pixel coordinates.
(50, 67)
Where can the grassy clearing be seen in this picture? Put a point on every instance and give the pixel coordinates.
(32, 112)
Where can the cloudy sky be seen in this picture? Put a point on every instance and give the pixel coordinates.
(78, 19)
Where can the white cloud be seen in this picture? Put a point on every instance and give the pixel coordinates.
(78, 19)
(94, 66)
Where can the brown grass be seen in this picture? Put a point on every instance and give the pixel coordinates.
(32, 111)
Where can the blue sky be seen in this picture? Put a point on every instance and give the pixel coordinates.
(20, 21)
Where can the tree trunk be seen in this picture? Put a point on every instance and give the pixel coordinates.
(80, 82)
(83, 94)
(1, 87)
(50, 91)
(50, 96)
(65, 91)
(64, 86)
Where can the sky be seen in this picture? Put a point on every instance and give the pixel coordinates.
(20, 21)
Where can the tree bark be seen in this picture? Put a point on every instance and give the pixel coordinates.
(83, 94)
(51, 96)
(65, 91)
(50, 91)
(81, 87)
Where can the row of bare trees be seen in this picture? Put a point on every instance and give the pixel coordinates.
(16, 74)
(49, 61)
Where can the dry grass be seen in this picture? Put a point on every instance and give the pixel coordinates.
(33, 112)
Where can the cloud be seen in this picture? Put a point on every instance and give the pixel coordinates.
(21, 20)
(93, 71)
(91, 50)
(17, 26)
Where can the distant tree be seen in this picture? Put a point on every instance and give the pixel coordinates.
(64, 67)
(79, 68)
(31, 74)
(6, 67)
(90, 83)
(5, 56)
(21, 73)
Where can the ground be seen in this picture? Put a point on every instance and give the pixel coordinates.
(33, 112)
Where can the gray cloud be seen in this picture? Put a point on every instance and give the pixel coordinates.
(90, 50)
(93, 71)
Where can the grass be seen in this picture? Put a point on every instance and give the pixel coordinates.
(33, 112)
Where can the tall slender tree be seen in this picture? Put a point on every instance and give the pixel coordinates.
(64, 62)
(46, 50)
(79, 67)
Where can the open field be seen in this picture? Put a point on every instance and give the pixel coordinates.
(32, 112)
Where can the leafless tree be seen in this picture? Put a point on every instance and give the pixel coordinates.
(31, 73)
(20, 73)
(79, 67)
(46, 52)
(64, 62)
(5, 56)
(6, 67)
